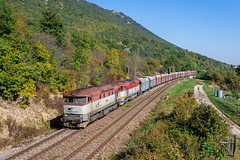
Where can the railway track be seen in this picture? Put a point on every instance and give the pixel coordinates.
(93, 143)
(38, 148)
(88, 149)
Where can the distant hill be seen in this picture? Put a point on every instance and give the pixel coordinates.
(67, 44)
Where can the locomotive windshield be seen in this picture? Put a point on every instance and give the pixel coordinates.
(81, 100)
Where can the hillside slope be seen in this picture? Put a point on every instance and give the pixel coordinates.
(66, 44)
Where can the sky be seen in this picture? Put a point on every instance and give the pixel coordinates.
(207, 27)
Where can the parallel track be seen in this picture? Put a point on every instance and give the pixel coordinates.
(94, 144)
(54, 145)
(36, 145)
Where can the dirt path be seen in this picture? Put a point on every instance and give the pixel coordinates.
(202, 97)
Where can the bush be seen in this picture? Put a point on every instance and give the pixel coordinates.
(206, 123)
(188, 132)
(235, 93)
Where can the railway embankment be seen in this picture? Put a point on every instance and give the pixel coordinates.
(19, 126)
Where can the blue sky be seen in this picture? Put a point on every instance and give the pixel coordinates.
(207, 27)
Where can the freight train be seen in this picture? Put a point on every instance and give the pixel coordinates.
(85, 105)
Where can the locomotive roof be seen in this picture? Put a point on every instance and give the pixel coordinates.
(91, 91)
(126, 82)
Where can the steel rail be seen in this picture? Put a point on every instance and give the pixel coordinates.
(144, 101)
(53, 145)
(35, 145)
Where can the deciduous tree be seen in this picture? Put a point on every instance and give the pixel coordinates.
(7, 21)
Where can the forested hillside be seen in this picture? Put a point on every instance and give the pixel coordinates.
(59, 45)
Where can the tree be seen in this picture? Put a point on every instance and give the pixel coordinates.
(98, 75)
(81, 39)
(53, 25)
(80, 57)
(238, 70)
(7, 21)
(112, 58)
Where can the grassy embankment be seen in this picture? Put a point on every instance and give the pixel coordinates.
(184, 86)
(229, 106)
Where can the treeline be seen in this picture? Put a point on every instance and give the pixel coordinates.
(179, 129)
(226, 79)
(61, 45)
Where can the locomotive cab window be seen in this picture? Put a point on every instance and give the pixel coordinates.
(89, 99)
(121, 88)
(68, 100)
(81, 100)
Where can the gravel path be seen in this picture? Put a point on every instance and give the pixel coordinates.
(202, 97)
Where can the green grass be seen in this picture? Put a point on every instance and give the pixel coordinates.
(54, 157)
(229, 106)
(237, 151)
(183, 87)
(127, 106)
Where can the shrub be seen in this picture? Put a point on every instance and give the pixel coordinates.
(206, 123)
